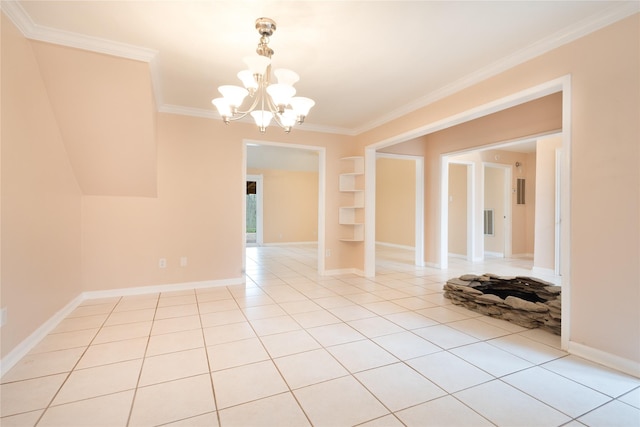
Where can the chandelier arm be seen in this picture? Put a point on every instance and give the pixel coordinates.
(242, 113)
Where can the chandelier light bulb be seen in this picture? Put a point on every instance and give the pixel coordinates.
(248, 81)
(281, 94)
(275, 101)
(301, 106)
(234, 95)
(224, 109)
(257, 64)
(286, 77)
(262, 118)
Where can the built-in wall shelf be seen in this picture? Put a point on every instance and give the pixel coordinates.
(351, 217)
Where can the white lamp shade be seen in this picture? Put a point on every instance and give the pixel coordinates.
(281, 93)
(248, 80)
(301, 105)
(233, 94)
(224, 109)
(257, 64)
(288, 118)
(286, 77)
(262, 118)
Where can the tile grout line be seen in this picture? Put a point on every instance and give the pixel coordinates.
(75, 365)
(144, 357)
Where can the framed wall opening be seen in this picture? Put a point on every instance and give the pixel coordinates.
(319, 154)
(561, 85)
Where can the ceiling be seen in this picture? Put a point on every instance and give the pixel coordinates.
(363, 62)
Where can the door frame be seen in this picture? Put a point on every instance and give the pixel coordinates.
(507, 201)
(322, 161)
(419, 203)
(561, 84)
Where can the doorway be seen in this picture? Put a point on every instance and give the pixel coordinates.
(262, 160)
(253, 211)
(497, 211)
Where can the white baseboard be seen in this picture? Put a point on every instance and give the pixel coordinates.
(494, 254)
(340, 271)
(141, 290)
(289, 243)
(394, 245)
(32, 340)
(524, 256)
(543, 271)
(38, 335)
(603, 358)
(459, 256)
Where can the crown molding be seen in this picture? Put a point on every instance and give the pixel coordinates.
(33, 31)
(554, 41)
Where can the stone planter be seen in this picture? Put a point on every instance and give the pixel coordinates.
(525, 301)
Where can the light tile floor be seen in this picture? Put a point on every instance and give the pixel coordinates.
(292, 348)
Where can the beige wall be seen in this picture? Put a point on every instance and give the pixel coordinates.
(604, 68)
(40, 199)
(290, 205)
(395, 201)
(123, 237)
(457, 221)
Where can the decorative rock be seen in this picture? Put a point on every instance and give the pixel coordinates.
(490, 298)
(525, 301)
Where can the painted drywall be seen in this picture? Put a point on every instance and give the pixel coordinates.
(395, 201)
(105, 109)
(545, 194)
(604, 67)
(458, 206)
(40, 199)
(290, 205)
(198, 211)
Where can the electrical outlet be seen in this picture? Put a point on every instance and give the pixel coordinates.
(183, 261)
(3, 316)
(327, 253)
(162, 263)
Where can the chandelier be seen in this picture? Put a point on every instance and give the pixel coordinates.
(275, 101)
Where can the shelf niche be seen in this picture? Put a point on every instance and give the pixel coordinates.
(351, 216)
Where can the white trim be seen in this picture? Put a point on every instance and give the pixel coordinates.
(341, 271)
(494, 254)
(38, 335)
(33, 31)
(370, 157)
(460, 256)
(554, 41)
(621, 364)
(394, 245)
(290, 243)
(25, 24)
(543, 271)
(142, 290)
(322, 195)
(508, 220)
(523, 256)
(418, 229)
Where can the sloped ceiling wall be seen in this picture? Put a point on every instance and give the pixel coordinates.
(105, 109)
